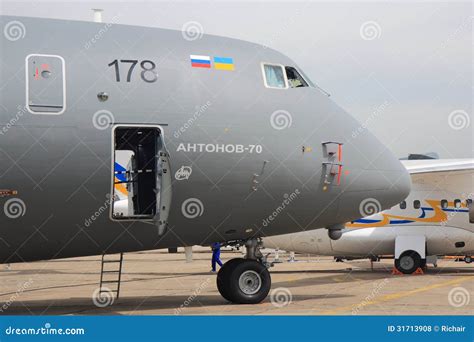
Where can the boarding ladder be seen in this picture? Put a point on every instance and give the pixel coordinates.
(332, 165)
(111, 274)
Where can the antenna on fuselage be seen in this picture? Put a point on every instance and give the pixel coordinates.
(97, 14)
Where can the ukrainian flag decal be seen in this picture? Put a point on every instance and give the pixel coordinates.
(223, 63)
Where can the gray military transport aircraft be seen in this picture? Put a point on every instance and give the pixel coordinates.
(220, 136)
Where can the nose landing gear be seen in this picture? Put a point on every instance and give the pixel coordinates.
(245, 281)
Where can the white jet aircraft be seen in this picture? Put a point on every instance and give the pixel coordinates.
(437, 218)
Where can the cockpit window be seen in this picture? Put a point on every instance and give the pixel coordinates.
(274, 76)
(295, 80)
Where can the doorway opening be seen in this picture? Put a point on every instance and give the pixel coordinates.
(140, 174)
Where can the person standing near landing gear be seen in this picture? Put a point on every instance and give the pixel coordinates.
(216, 255)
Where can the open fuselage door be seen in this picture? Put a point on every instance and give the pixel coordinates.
(146, 179)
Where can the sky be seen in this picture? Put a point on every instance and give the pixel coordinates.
(403, 69)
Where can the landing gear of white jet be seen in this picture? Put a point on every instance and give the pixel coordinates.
(409, 262)
(245, 281)
(468, 259)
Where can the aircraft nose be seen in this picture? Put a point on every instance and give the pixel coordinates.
(394, 178)
(380, 184)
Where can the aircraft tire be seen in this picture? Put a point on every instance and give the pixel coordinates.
(467, 259)
(408, 262)
(246, 282)
(223, 275)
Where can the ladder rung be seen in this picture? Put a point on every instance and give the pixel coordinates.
(110, 281)
(108, 261)
(110, 271)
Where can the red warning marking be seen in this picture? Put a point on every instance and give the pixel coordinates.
(339, 175)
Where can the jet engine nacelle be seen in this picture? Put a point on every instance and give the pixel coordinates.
(335, 231)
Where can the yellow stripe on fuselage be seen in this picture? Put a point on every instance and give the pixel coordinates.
(120, 187)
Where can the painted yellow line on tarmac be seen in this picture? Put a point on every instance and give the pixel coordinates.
(397, 295)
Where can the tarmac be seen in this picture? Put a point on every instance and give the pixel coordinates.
(160, 283)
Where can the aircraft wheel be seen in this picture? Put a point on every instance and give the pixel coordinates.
(467, 259)
(408, 262)
(244, 281)
(223, 274)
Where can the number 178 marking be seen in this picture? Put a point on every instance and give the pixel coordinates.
(148, 73)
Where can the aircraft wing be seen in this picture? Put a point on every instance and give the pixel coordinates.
(453, 175)
(450, 166)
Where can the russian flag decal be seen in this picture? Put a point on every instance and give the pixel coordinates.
(200, 61)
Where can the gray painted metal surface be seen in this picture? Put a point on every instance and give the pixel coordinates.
(246, 151)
